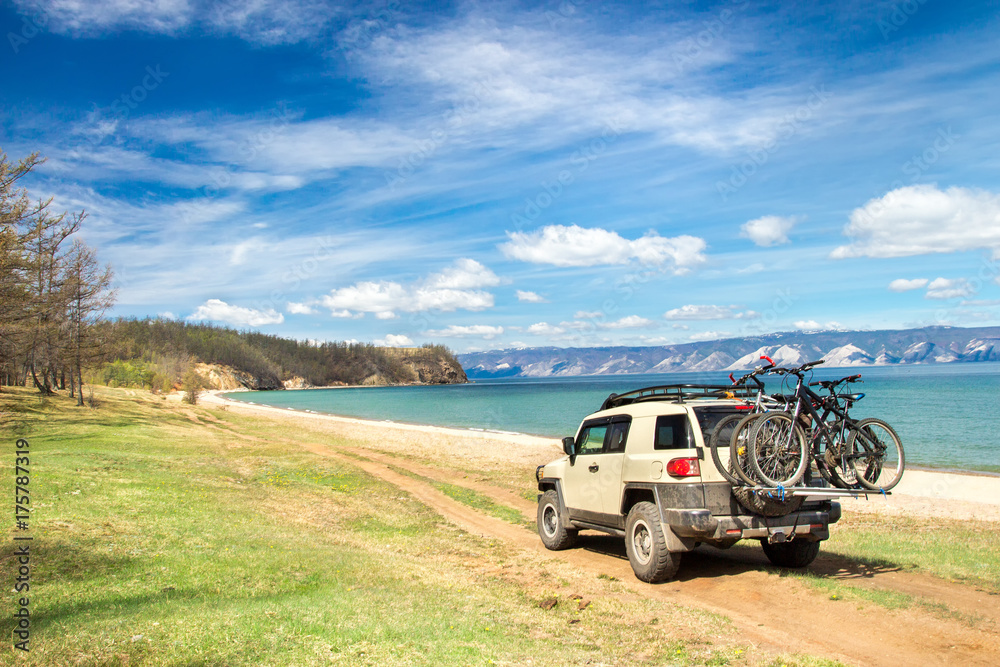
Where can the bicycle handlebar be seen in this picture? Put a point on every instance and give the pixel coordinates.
(830, 384)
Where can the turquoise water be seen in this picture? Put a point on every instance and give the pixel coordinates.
(948, 416)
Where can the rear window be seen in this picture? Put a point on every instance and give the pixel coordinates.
(709, 417)
(672, 432)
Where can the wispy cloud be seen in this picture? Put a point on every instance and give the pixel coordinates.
(708, 312)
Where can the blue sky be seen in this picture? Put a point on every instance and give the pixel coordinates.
(512, 174)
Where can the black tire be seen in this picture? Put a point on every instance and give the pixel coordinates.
(722, 436)
(797, 553)
(647, 546)
(550, 526)
(779, 454)
(880, 460)
(765, 505)
(739, 449)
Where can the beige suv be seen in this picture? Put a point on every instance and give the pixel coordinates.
(638, 469)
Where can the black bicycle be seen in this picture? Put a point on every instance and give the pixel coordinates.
(732, 432)
(866, 452)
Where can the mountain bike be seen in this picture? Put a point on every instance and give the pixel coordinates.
(732, 432)
(867, 451)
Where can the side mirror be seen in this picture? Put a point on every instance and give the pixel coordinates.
(569, 445)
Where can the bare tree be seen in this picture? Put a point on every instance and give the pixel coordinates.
(88, 294)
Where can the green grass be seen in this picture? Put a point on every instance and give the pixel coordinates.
(967, 551)
(162, 539)
(478, 501)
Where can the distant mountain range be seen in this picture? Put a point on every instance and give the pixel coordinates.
(930, 345)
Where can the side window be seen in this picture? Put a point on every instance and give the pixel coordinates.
(592, 439)
(672, 432)
(619, 433)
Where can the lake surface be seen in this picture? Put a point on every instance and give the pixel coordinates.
(947, 415)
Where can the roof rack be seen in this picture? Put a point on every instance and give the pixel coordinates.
(678, 393)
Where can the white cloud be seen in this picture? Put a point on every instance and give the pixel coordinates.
(394, 340)
(446, 291)
(769, 230)
(708, 312)
(756, 267)
(905, 285)
(465, 274)
(217, 310)
(560, 245)
(530, 297)
(299, 308)
(943, 288)
(259, 21)
(459, 331)
(167, 315)
(588, 314)
(708, 335)
(545, 329)
(629, 322)
(921, 219)
(813, 325)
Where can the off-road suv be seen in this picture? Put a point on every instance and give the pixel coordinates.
(638, 469)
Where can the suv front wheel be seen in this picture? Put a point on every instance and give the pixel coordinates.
(647, 546)
(550, 526)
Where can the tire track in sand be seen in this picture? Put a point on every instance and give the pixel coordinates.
(779, 612)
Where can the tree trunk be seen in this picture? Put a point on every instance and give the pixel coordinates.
(79, 375)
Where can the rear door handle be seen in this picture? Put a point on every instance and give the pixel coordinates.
(594, 467)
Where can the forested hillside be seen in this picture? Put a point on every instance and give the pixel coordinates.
(157, 351)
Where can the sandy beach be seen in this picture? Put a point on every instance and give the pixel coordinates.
(920, 493)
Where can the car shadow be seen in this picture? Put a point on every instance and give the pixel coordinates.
(707, 562)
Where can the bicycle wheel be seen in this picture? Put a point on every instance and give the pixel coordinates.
(877, 454)
(723, 433)
(739, 449)
(836, 465)
(778, 450)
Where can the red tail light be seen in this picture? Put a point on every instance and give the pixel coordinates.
(684, 468)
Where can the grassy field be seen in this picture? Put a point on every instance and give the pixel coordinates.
(166, 534)
(181, 536)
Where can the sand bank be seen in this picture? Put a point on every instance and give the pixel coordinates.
(920, 493)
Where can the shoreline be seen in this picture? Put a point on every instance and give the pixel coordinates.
(458, 430)
(213, 396)
(921, 492)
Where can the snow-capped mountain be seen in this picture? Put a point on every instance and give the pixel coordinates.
(931, 345)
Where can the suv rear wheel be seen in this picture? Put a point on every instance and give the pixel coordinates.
(550, 526)
(797, 553)
(646, 545)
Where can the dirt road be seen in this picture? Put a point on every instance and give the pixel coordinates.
(954, 625)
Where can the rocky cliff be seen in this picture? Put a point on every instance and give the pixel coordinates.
(224, 377)
(413, 369)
